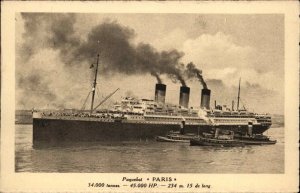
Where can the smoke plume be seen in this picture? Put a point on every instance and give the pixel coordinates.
(119, 54)
(48, 30)
(192, 71)
(159, 81)
(51, 44)
(112, 41)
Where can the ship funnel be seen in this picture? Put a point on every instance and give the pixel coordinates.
(160, 93)
(250, 128)
(205, 98)
(184, 96)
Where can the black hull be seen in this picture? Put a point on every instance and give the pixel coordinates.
(251, 142)
(64, 130)
(216, 143)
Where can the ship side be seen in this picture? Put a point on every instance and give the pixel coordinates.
(143, 119)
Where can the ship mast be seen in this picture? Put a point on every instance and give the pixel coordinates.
(94, 85)
(238, 101)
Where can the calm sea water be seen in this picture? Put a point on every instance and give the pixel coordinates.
(151, 157)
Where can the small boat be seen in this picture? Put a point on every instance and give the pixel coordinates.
(176, 137)
(255, 140)
(202, 141)
(221, 138)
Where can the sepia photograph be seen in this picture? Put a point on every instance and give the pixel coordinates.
(185, 88)
(143, 93)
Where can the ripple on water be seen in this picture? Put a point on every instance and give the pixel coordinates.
(148, 156)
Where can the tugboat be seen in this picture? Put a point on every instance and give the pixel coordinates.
(221, 138)
(177, 136)
(254, 139)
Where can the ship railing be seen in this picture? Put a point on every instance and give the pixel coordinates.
(82, 114)
(171, 114)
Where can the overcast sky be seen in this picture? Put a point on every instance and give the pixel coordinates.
(224, 47)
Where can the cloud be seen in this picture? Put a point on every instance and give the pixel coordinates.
(173, 39)
(53, 59)
(46, 83)
(46, 30)
(231, 76)
(220, 57)
(216, 51)
(254, 97)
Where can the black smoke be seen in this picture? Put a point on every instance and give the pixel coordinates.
(56, 34)
(111, 40)
(48, 30)
(192, 71)
(118, 53)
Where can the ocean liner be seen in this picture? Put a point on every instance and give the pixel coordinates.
(144, 119)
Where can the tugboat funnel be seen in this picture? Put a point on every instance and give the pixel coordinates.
(250, 128)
